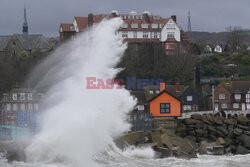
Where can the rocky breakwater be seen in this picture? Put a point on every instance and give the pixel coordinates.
(201, 134)
(216, 136)
(163, 141)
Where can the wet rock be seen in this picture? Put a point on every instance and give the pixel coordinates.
(203, 149)
(210, 118)
(191, 138)
(220, 141)
(228, 141)
(241, 150)
(242, 119)
(219, 121)
(189, 121)
(244, 140)
(246, 132)
(223, 130)
(230, 121)
(242, 127)
(218, 150)
(237, 131)
(200, 132)
(205, 120)
(196, 116)
(14, 150)
(228, 150)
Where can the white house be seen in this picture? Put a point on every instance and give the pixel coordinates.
(208, 48)
(218, 49)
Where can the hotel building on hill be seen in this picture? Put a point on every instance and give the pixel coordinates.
(136, 28)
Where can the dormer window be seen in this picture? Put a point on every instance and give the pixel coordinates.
(134, 25)
(170, 35)
(151, 92)
(139, 17)
(154, 26)
(237, 96)
(144, 25)
(124, 25)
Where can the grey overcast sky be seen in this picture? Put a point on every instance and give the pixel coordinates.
(44, 16)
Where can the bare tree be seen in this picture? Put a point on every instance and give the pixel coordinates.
(235, 37)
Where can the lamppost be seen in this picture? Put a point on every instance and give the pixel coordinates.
(213, 98)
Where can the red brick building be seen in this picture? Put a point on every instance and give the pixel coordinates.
(232, 95)
(136, 28)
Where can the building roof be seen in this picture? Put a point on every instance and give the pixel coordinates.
(82, 22)
(67, 27)
(28, 42)
(173, 89)
(236, 86)
(165, 91)
(4, 41)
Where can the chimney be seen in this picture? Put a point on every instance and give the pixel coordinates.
(174, 17)
(146, 16)
(162, 86)
(90, 20)
(178, 87)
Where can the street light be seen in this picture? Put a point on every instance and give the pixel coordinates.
(213, 98)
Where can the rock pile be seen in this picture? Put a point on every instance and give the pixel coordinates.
(216, 135)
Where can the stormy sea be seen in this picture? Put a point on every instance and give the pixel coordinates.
(79, 125)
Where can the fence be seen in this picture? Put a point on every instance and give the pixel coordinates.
(140, 121)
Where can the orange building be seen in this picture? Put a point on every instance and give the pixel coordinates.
(165, 104)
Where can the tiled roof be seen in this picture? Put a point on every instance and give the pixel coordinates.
(67, 27)
(28, 42)
(236, 86)
(174, 90)
(141, 40)
(4, 41)
(82, 22)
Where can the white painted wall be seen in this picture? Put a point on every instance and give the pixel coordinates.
(218, 49)
(75, 25)
(175, 29)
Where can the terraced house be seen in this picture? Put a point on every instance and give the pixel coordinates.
(232, 95)
(136, 28)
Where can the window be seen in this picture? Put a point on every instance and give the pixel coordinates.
(30, 106)
(135, 34)
(157, 92)
(223, 105)
(140, 107)
(236, 105)
(170, 35)
(144, 25)
(14, 96)
(145, 34)
(22, 96)
(36, 107)
(237, 96)
(154, 26)
(29, 96)
(187, 107)
(151, 92)
(22, 107)
(124, 34)
(124, 17)
(171, 26)
(221, 96)
(248, 97)
(8, 107)
(131, 17)
(155, 35)
(164, 108)
(189, 98)
(15, 107)
(134, 25)
(124, 25)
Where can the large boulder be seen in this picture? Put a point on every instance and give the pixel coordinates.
(238, 131)
(242, 119)
(220, 141)
(241, 150)
(190, 121)
(244, 140)
(196, 116)
(230, 121)
(223, 130)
